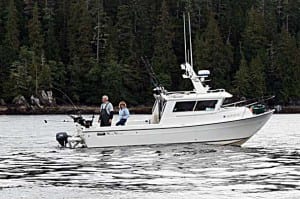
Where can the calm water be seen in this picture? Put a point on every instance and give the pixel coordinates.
(31, 165)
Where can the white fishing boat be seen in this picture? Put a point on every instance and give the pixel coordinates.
(192, 116)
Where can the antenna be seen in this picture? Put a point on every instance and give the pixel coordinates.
(190, 34)
(187, 67)
(185, 56)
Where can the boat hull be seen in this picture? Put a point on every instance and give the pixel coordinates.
(234, 132)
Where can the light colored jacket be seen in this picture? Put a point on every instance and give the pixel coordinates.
(124, 113)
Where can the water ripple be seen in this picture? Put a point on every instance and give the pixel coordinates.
(254, 170)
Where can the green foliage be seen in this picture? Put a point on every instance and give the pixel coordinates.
(211, 53)
(164, 58)
(242, 79)
(287, 62)
(90, 48)
(254, 34)
(250, 79)
(21, 75)
(80, 34)
(35, 32)
(51, 44)
(125, 37)
(12, 30)
(80, 51)
(257, 78)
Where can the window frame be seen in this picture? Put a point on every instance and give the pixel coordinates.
(213, 109)
(192, 110)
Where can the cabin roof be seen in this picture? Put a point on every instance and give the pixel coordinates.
(191, 95)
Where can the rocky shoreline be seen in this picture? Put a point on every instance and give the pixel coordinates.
(63, 109)
(45, 104)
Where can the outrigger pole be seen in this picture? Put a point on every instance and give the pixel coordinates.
(190, 34)
(188, 54)
(185, 56)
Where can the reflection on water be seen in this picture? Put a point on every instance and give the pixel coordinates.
(268, 164)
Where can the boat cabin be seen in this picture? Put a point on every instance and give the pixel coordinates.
(170, 105)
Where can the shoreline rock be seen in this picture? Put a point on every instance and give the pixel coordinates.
(63, 109)
(56, 110)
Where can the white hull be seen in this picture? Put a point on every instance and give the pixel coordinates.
(234, 132)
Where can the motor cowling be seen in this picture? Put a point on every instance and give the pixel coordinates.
(62, 138)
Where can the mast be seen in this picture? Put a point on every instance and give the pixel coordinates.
(190, 34)
(185, 56)
(188, 65)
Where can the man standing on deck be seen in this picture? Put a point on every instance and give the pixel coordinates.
(106, 112)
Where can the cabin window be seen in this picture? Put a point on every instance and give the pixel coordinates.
(207, 105)
(184, 106)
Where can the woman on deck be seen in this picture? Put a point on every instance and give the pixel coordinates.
(123, 114)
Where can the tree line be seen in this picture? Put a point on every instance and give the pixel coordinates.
(88, 48)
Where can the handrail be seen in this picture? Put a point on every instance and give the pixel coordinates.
(235, 103)
(185, 92)
(215, 91)
(181, 92)
(253, 103)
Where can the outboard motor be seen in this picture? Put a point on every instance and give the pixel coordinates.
(62, 138)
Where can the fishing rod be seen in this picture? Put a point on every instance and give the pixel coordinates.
(68, 98)
(76, 119)
(77, 111)
(154, 80)
(60, 99)
(159, 89)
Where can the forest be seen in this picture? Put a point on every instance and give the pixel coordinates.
(87, 48)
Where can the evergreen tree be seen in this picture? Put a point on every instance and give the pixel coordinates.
(80, 33)
(257, 78)
(125, 38)
(88, 48)
(242, 79)
(2, 21)
(211, 53)
(51, 44)
(102, 30)
(254, 35)
(164, 59)
(9, 44)
(12, 30)
(144, 24)
(61, 27)
(21, 76)
(288, 67)
(80, 52)
(58, 74)
(2, 68)
(35, 33)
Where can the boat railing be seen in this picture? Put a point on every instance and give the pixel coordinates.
(181, 92)
(216, 91)
(249, 102)
(193, 92)
(234, 104)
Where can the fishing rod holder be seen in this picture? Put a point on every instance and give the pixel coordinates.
(82, 122)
